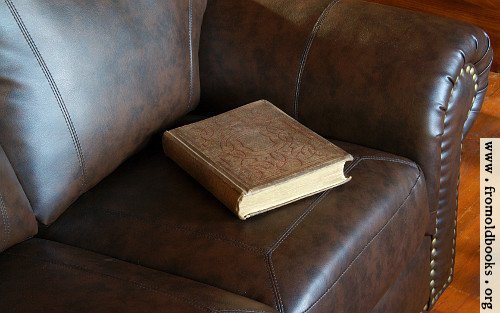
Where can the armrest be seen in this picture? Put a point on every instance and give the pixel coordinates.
(354, 71)
(17, 221)
(400, 81)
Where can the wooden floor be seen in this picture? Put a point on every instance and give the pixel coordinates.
(462, 296)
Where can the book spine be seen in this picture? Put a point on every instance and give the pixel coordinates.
(203, 171)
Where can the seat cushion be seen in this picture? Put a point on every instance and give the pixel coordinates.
(410, 292)
(44, 276)
(336, 251)
(83, 84)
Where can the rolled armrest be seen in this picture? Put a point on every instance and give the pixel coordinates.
(17, 221)
(354, 71)
(400, 81)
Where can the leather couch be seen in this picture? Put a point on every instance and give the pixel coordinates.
(94, 217)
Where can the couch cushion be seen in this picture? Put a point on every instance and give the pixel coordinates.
(17, 221)
(84, 83)
(44, 276)
(413, 283)
(338, 251)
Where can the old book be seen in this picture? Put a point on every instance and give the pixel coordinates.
(256, 158)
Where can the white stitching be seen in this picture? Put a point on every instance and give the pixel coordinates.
(305, 54)
(55, 90)
(191, 67)
(144, 286)
(367, 245)
(313, 205)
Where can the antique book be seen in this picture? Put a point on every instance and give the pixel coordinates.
(256, 158)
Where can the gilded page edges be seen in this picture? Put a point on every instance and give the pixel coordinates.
(296, 199)
(319, 167)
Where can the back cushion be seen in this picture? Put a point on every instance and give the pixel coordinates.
(16, 218)
(83, 84)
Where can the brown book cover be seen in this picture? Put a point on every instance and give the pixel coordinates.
(256, 158)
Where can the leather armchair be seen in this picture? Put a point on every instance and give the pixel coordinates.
(403, 82)
(86, 90)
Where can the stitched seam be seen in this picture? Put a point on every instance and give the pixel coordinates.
(390, 160)
(367, 245)
(206, 235)
(299, 220)
(273, 281)
(269, 265)
(203, 234)
(191, 66)
(354, 162)
(53, 87)
(318, 199)
(305, 54)
(6, 223)
(311, 207)
(144, 286)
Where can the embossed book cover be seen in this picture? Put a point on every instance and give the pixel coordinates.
(256, 158)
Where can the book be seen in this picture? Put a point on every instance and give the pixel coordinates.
(256, 158)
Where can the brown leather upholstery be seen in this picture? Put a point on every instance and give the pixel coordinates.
(373, 75)
(309, 255)
(44, 276)
(84, 84)
(413, 282)
(17, 221)
(327, 65)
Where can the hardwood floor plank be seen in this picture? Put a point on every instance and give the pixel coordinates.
(494, 87)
